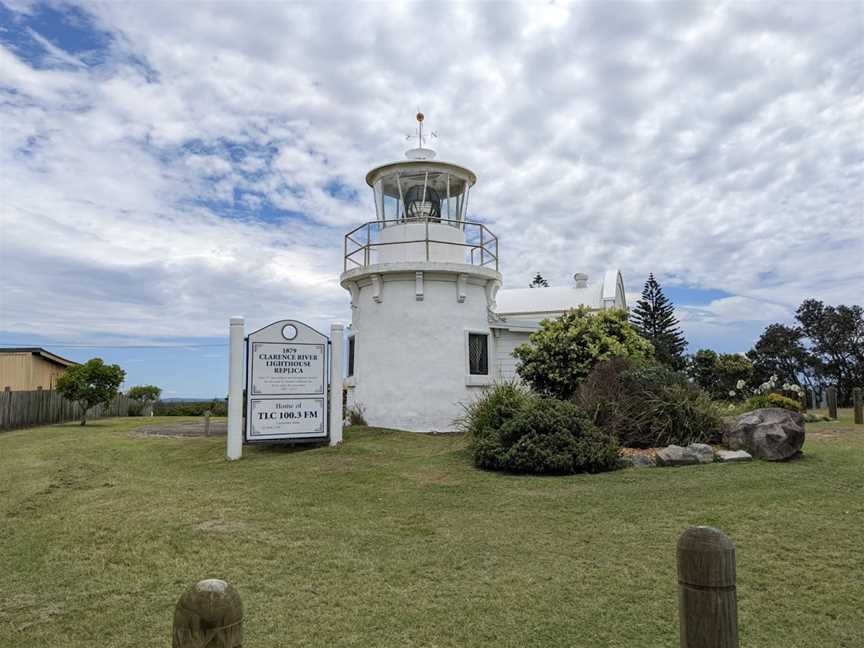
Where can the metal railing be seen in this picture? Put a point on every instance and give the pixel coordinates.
(362, 243)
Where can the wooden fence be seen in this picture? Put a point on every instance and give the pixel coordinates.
(21, 409)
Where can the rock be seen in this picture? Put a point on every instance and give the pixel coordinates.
(769, 433)
(733, 456)
(640, 461)
(703, 452)
(674, 455)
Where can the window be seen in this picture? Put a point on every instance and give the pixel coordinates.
(478, 354)
(351, 356)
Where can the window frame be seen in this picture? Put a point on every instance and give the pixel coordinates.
(472, 379)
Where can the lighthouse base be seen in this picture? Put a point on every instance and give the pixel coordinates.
(412, 327)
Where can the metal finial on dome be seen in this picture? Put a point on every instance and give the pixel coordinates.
(421, 152)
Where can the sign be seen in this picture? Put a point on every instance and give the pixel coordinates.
(286, 397)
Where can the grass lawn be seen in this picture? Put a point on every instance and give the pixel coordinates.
(396, 540)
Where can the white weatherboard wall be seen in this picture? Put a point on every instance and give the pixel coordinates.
(411, 361)
(505, 343)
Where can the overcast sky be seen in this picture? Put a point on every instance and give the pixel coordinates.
(165, 167)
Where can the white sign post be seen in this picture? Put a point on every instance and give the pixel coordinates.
(286, 384)
(234, 448)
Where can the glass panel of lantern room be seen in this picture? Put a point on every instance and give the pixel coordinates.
(391, 208)
(379, 199)
(463, 208)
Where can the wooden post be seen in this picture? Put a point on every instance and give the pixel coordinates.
(832, 402)
(209, 613)
(207, 423)
(707, 600)
(858, 406)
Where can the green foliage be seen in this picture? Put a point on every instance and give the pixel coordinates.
(144, 393)
(558, 357)
(836, 344)
(780, 352)
(772, 400)
(719, 374)
(654, 318)
(514, 430)
(217, 407)
(90, 384)
(645, 404)
(143, 397)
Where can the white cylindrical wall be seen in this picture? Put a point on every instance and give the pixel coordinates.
(406, 252)
(410, 362)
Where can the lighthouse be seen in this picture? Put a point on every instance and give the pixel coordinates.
(423, 278)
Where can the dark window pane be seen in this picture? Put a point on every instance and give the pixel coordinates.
(478, 354)
(351, 356)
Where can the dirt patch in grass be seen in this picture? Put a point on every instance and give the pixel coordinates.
(183, 429)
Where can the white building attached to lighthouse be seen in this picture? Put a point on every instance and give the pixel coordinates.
(429, 326)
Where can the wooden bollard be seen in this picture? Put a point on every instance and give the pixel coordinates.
(207, 423)
(210, 614)
(858, 406)
(707, 601)
(832, 402)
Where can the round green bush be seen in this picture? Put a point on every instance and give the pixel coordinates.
(772, 400)
(558, 357)
(514, 430)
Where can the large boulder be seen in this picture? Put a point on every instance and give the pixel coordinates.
(770, 433)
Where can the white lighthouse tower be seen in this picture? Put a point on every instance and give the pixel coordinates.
(423, 280)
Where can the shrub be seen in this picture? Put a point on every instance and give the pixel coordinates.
(558, 357)
(135, 409)
(356, 415)
(772, 400)
(513, 430)
(720, 375)
(191, 408)
(644, 404)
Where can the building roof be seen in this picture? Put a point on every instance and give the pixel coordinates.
(606, 293)
(51, 357)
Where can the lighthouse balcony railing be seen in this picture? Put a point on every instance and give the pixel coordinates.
(363, 244)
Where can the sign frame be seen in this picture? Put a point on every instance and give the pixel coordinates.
(294, 379)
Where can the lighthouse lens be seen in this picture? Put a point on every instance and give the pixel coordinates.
(419, 206)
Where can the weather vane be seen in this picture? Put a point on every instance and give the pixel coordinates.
(419, 132)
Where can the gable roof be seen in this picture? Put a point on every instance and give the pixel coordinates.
(39, 351)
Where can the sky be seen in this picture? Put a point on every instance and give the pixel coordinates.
(166, 166)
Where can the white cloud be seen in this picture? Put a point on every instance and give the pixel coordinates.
(718, 146)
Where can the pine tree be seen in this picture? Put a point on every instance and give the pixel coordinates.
(538, 282)
(654, 317)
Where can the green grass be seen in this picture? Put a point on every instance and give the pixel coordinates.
(395, 540)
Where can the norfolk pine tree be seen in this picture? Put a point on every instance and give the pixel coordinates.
(654, 318)
(538, 282)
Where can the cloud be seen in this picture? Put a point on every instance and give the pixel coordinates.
(165, 167)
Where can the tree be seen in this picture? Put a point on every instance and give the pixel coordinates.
(90, 384)
(146, 395)
(654, 318)
(836, 338)
(538, 282)
(719, 374)
(780, 351)
(558, 357)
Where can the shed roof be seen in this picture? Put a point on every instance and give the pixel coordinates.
(39, 351)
